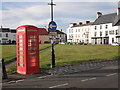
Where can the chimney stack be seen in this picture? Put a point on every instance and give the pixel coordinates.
(87, 22)
(99, 14)
(72, 24)
(80, 23)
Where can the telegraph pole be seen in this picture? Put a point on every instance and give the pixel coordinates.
(52, 29)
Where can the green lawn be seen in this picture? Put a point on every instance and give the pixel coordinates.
(68, 54)
(9, 51)
(76, 53)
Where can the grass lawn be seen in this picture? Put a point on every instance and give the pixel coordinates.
(9, 51)
(68, 54)
(77, 53)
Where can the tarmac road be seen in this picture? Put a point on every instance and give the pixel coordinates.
(105, 77)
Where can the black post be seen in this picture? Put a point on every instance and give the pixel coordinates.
(4, 73)
(52, 39)
(52, 56)
(51, 9)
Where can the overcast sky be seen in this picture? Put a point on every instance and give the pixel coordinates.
(15, 14)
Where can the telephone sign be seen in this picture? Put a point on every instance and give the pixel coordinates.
(52, 26)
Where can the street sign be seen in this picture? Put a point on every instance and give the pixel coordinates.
(52, 26)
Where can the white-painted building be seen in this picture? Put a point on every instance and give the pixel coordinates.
(79, 32)
(103, 29)
(7, 36)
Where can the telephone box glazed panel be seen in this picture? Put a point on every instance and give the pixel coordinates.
(27, 49)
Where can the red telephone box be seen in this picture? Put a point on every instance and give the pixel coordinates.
(27, 49)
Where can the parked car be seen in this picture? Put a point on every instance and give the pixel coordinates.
(115, 44)
(47, 42)
(62, 43)
(82, 43)
(69, 43)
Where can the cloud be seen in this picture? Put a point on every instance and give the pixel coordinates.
(38, 14)
(28, 12)
(35, 15)
(61, 0)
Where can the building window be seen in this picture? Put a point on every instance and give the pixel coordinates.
(106, 33)
(87, 36)
(69, 30)
(111, 32)
(76, 35)
(100, 26)
(6, 34)
(100, 33)
(95, 27)
(0, 35)
(112, 40)
(106, 26)
(95, 34)
(88, 29)
(60, 35)
(116, 32)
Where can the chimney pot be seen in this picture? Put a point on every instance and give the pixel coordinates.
(118, 11)
(99, 14)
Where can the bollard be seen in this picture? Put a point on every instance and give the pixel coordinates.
(4, 73)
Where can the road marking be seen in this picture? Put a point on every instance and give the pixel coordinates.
(59, 85)
(44, 76)
(20, 80)
(84, 80)
(111, 74)
(11, 82)
(92, 78)
(88, 79)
